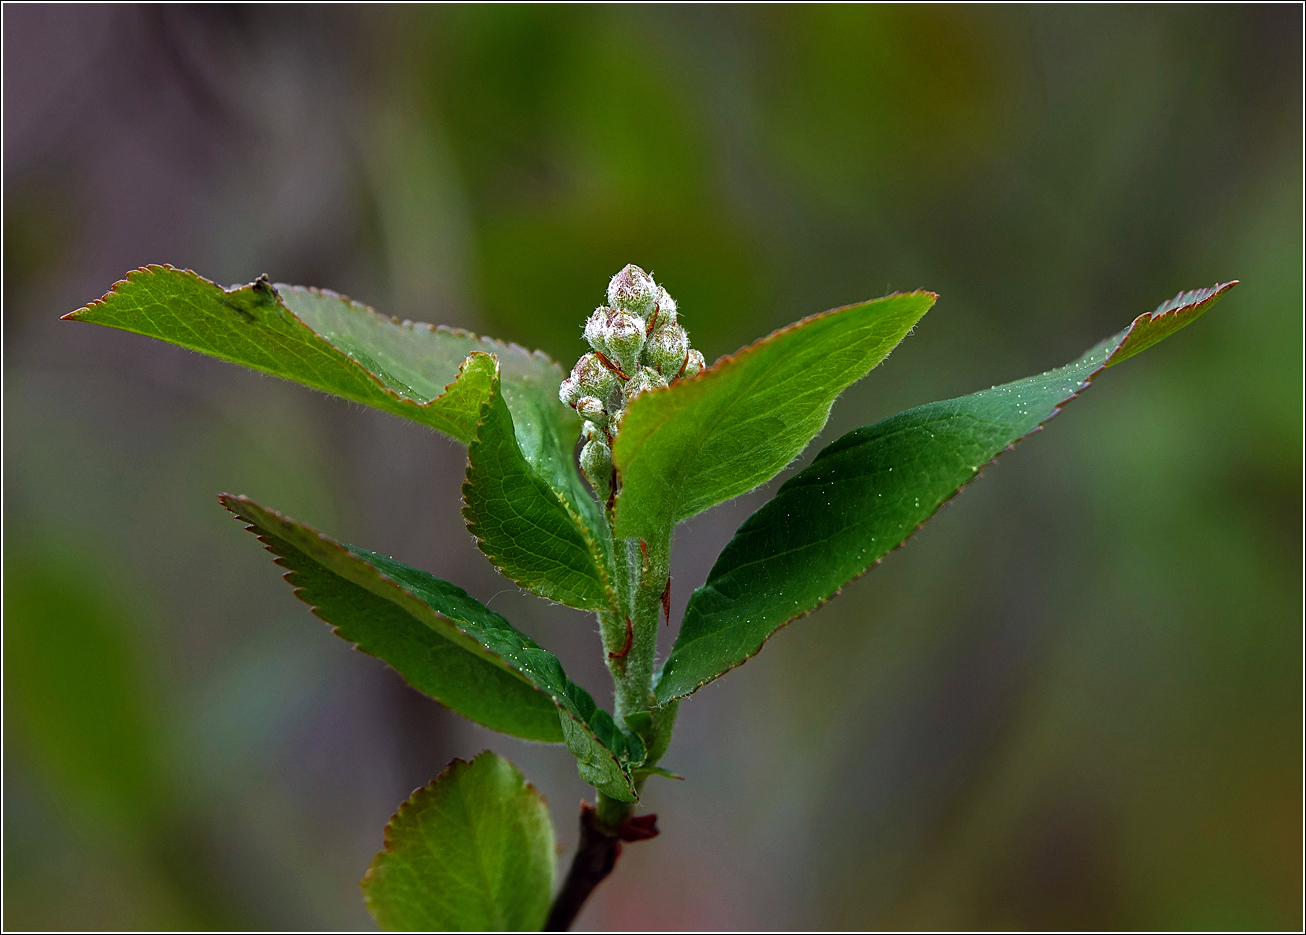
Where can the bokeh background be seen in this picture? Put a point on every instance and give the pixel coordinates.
(1072, 701)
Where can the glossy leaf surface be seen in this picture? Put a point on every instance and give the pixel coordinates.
(736, 425)
(472, 851)
(866, 493)
(547, 543)
(447, 645)
(331, 343)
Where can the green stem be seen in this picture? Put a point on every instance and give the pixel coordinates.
(612, 624)
(612, 813)
(641, 573)
(642, 568)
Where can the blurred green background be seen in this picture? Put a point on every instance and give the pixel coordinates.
(1072, 701)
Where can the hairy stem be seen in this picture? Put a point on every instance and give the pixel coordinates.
(642, 568)
(612, 624)
(642, 573)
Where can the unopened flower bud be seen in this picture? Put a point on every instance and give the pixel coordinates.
(666, 308)
(646, 379)
(567, 392)
(625, 338)
(592, 378)
(665, 350)
(638, 345)
(596, 462)
(592, 409)
(596, 329)
(632, 290)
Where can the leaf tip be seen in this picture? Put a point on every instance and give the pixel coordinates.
(1152, 327)
(234, 501)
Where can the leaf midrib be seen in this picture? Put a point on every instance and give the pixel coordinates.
(474, 834)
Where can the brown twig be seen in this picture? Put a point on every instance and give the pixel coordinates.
(596, 855)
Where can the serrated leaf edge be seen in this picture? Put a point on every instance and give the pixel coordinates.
(403, 401)
(407, 324)
(1121, 337)
(406, 806)
(409, 804)
(592, 545)
(251, 526)
(1198, 301)
(726, 361)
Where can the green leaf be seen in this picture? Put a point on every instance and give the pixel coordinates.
(472, 851)
(447, 645)
(865, 494)
(544, 542)
(330, 343)
(645, 771)
(736, 425)
(1167, 318)
(433, 375)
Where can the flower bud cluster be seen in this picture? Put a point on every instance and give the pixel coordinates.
(638, 345)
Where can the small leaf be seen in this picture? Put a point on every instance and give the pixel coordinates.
(447, 645)
(472, 851)
(330, 343)
(645, 771)
(539, 539)
(654, 728)
(715, 436)
(865, 493)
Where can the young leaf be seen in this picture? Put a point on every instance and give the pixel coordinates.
(715, 436)
(545, 542)
(330, 343)
(472, 851)
(447, 645)
(866, 493)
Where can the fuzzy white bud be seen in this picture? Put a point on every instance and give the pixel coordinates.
(638, 334)
(662, 316)
(646, 379)
(596, 462)
(596, 329)
(567, 392)
(665, 350)
(592, 378)
(592, 409)
(632, 290)
(666, 307)
(625, 337)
